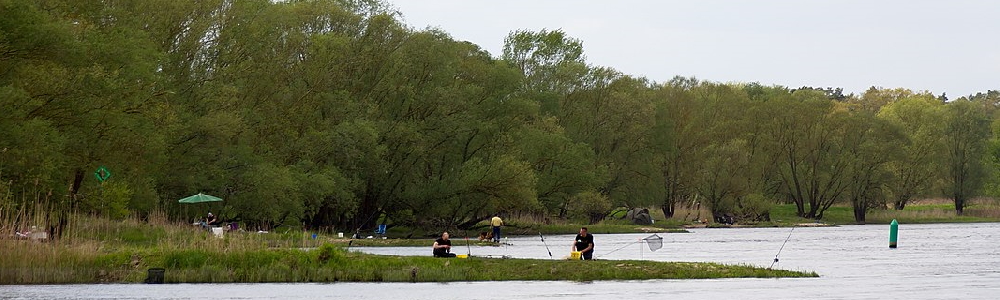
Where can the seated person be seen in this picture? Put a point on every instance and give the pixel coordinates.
(212, 220)
(442, 246)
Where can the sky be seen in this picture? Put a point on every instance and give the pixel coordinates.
(946, 46)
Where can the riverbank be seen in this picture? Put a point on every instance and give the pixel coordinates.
(84, 264)
(929, 211)
(396, 237)
(926, 212)
(603, 228)
(95, 250)
(782, 215)
(518, 227)
(854, 261)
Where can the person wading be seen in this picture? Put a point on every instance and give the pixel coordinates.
(584, 243)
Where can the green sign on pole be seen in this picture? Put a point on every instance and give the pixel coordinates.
(102, 174)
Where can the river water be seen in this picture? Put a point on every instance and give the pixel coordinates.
(934, 261)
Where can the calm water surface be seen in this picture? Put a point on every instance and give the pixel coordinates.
(938, 261)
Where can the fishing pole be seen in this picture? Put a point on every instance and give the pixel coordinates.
(467, 243)
(546, 245)
(782, 248)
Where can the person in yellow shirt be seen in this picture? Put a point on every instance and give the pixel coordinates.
(496, 222)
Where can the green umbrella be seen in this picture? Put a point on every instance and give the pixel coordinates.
(200, 198)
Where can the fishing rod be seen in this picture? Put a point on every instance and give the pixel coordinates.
(467, 243)
(546, 245)
(782, 248)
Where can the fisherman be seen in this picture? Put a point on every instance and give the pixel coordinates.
(211, 220)
(496, 222)
(584, 243)
(442, 246)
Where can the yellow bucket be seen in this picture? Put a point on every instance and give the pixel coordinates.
(574, 255)
(462, 256)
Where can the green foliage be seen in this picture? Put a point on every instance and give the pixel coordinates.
(966, 133)
(185, 259)
(755, 207)
(336, 115)
(590, 206)
(111, 200)
(914, 166)
(330, 254)
(992, 187)
(563, 167)
(141, 236)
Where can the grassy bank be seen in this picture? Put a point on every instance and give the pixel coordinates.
(604, 228)
(394, 242)
(330, 263)
(529, 227)
(95, 250)
(913, 214)
(459, 236)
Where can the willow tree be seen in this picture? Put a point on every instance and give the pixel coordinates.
(86, 84)
(869, 147)
(966, 130)
(808, 147)
(921, 148)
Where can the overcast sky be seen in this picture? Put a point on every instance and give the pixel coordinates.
(940, 46)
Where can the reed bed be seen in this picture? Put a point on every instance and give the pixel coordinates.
(88, 249)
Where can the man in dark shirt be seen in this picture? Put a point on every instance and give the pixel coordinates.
(212, 219)
(584, 243)
(442, 246)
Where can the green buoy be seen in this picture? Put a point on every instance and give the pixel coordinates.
(893, 232)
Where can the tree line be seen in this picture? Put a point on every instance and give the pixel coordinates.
(334, 113)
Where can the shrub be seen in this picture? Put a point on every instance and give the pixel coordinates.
(755, 207)
(328, 253)
(589, 205)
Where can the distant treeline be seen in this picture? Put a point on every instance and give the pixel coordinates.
(334, 113)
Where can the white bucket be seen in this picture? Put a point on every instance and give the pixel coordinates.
(217, 231)
(340, 234)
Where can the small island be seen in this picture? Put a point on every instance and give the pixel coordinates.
(106, 251)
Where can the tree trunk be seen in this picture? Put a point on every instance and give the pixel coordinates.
(959, 204)
(75, 189)
(812, 214)
(367, 211)
(901, 202)
(596, 217)
(799, 208)
(859, 213)
(668, 210)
